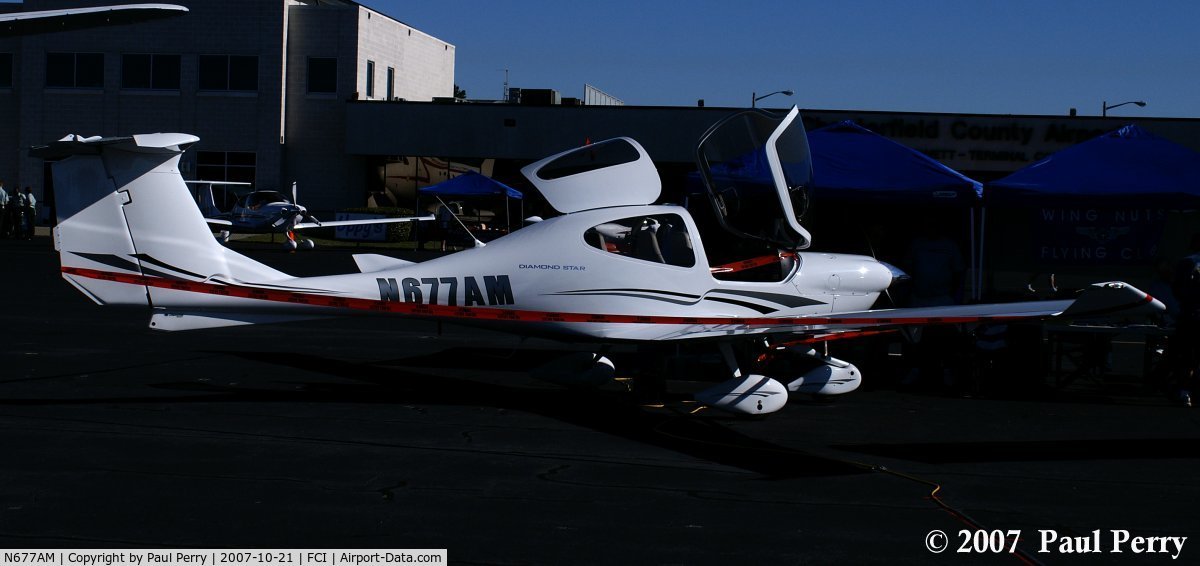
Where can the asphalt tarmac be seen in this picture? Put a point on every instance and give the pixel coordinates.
(342, 435)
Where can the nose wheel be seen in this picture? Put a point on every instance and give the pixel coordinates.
(292, 244)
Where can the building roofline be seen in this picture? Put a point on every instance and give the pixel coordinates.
(352, 3)
(731, 109)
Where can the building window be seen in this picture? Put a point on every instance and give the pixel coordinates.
(236, 166)
(322, 74)
(391, 83)
(6, 70)
(229, 72)
(75, 70)
(370, 79)
(157, 72)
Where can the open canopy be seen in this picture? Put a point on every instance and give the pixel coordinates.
(471, 184)
(756, 168)
(852, 162)
(1129, 166)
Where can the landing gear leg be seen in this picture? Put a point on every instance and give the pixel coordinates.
(650, 383)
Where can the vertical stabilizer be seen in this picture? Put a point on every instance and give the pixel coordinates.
(124, 208)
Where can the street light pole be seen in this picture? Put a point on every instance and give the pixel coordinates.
(754, 99)
(1105, 106)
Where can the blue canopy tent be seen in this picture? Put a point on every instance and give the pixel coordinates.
(1103, 202)
(472, 184)
(852, 162)
(1125, 165)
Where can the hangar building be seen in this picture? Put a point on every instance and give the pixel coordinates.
(263, 83)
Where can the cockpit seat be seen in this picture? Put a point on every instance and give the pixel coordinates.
(676, 245)
(645, 241)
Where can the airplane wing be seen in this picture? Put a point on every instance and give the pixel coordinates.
(218, 222)
(45, 21)
(1098, 301)
(335, 223)
(954, 314)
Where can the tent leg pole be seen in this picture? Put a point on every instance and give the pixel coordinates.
(982, 235)
(974, 265)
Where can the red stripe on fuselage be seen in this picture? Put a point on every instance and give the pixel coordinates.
(498, 314)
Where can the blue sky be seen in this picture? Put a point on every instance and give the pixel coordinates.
(1010, 57)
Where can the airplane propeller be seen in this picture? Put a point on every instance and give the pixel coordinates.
(289, 216)
(898, 275)
(303, 212)
(294, 214)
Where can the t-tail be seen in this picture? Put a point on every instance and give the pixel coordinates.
(124, 212)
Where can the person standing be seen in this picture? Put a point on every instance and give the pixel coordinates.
(16, 214)
(1184, 343)
(30, 213)
(936, 266)
(4, 227)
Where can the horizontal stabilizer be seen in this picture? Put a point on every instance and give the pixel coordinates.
(74, 144)
(370, 263)
(171, 321)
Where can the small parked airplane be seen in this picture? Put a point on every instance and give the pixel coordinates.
(613, 271)
(270, 212)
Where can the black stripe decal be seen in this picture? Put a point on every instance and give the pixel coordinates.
(790, 301)
(122, 263)
(760, 308)
(595, 291)
(149, 259)
(111, 261)
(634, 295)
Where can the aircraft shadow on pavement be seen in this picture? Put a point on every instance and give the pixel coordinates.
(617, 413)
(1034, 450)
(610, 412)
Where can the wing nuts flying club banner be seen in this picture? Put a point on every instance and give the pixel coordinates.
(1096, 236)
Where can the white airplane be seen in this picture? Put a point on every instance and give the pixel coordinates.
(270, 212)
(612, 271)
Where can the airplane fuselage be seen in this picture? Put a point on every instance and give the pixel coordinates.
(552, 266)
